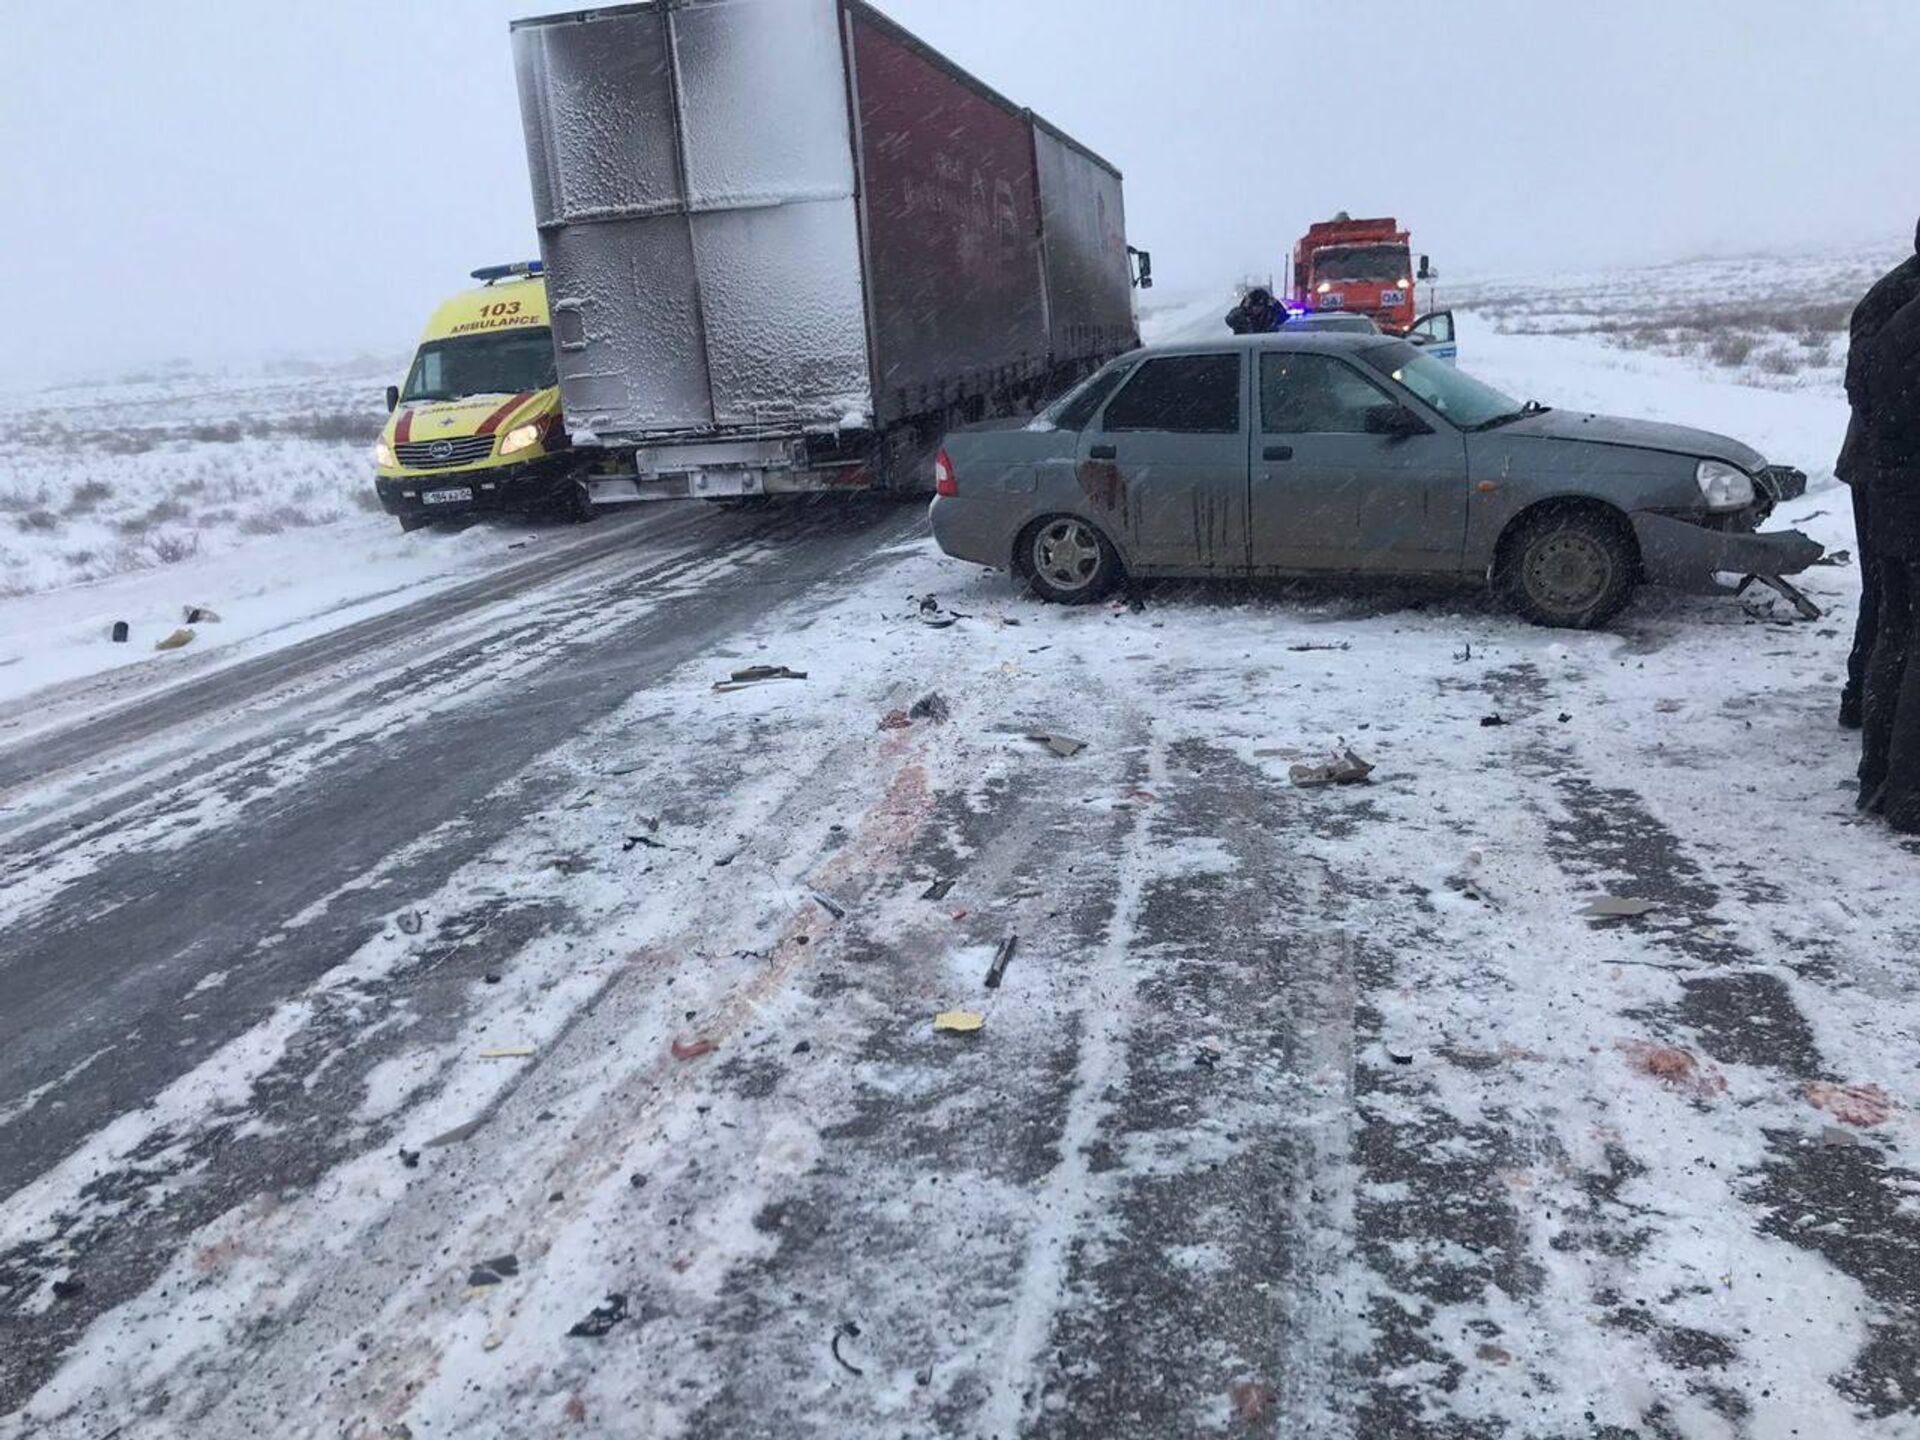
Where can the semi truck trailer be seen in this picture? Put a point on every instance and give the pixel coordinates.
(787, 245)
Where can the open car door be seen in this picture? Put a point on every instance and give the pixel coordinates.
(1434, 334)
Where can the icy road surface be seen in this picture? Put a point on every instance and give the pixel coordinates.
(488, 928)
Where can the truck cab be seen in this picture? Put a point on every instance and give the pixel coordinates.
(476, 425)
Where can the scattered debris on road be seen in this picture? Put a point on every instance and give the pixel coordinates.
(1346, 768)
(1488, 722)
(694, 1051)
(1065, 746)
(1676, 1067)
(1836, 558)
(1252, 1401)
(1851, 1104)
(199, 615)
(411, 922)
(937, 890)
(68, 1289)
(636, 840)
(514, 1054)
(846, 1330)
(757, 675)
(601, 1318)
(931, 706)
(175, 641)
(494, 1271)
(1336, 645)
(453, 1136)
(896, 720)
(119, 633)
(1617, 907)
(1001, 958)
(832, 906)
(959, 1022)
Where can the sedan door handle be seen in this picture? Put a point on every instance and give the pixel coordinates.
(1277, 452)
(1103, 452)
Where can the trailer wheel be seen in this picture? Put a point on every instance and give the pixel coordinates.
(1067, 560)
(1572, 567)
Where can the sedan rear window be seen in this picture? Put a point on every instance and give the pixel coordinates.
(1074, 409)
(1191, 394)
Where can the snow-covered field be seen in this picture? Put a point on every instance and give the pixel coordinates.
(1342, 1067)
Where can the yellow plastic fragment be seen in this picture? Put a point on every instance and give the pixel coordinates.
(505, 1054)
(959, 1021)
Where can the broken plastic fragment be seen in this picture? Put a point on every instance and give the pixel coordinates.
(1346, 769)
(693, 1051)
(601, 1318)
(755, 674)
(492, 1272)
(515, 1054)
(174, 641)
(1616, 907)
(1064, 746)
(959, 1022)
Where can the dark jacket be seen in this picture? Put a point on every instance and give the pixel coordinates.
(1252, 317)
(1889, 293)
(1892, 383)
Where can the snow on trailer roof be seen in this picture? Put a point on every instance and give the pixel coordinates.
(889, 26)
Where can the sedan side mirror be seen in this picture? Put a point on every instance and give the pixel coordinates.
(1394, 420)
(393, 398)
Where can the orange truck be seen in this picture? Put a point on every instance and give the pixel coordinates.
(1361, 266)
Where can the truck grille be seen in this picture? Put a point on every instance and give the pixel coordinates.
(440, 454)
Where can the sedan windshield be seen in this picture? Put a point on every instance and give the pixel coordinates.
(501, 364)
(1385, 263)
(1465, 401)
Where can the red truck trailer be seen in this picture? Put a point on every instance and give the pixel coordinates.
(788, 245)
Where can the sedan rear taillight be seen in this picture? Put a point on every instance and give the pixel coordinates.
(945, 482)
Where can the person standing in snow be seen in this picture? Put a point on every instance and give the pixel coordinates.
(1890, 742)
(1854, 467)
(1258, 313)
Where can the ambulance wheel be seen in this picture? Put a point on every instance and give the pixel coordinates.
(411, 523)
(576, 504)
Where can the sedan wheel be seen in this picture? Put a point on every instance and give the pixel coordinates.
(1572, 570)
(1069, 561)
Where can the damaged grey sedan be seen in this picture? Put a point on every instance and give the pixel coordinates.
(1336, 454)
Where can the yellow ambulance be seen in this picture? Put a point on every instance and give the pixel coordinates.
(477, 424)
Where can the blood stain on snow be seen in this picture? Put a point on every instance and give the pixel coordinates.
(1851, 1104)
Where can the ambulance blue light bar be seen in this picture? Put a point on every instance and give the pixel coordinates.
(491, 273)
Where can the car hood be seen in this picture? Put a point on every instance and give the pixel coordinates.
(1636, 435)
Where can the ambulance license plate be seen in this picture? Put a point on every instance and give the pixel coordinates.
(446, 497)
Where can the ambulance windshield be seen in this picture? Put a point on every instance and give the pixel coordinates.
(512, 363)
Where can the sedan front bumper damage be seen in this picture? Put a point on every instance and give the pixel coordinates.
(1691, 557)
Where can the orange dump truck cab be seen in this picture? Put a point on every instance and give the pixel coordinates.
(1361, 266)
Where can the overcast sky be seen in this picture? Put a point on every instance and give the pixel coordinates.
(222, 180)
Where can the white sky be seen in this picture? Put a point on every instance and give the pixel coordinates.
(223, 179)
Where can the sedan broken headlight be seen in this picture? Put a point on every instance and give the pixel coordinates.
(1724, 486)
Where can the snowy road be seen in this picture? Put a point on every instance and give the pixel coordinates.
(492, 929)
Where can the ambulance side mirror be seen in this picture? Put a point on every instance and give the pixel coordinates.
(393, 398)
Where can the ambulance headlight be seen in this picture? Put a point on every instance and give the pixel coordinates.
(383, 456)
(521, 437)
(1724, 486)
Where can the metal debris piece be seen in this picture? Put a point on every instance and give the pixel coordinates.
(1001, 958)
(758, 674)
(937, 890)
(647, 840)
(847, 1330)
(832, 906)
(492, 1272)
(1488, 722)
(601, 1318)
(1065, 746)
(1345, 769)
(518, 1054)
(693, 1051)
(453, 1136)
(1617, 907)
(409, 921)
(959, 1022)
(174, 641)
(199, 615)
(1337, 645)
(1802, 606)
